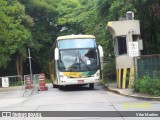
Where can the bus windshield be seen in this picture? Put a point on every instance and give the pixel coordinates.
(78, 60)
(77, 43)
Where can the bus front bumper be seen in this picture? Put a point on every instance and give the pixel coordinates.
(78, 81)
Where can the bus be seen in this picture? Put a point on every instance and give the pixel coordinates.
(75, 60)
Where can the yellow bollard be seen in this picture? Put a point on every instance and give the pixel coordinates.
(124, 78)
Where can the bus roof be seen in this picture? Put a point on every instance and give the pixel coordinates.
(75, 36)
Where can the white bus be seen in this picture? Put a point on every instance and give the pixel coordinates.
(75, 60)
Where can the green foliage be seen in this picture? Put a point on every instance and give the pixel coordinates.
(109, 72)
(48, 81)
(149, 25)
(147, 85)
(67, 11)
(71, 16)
(119, 8)
(44, 14)
(13, 34)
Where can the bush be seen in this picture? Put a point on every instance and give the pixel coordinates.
(109, 71)
(147, 85)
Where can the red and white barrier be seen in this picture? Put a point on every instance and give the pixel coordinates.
(28, 82)
(42, 84)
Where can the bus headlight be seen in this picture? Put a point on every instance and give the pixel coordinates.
(96, 75)
(64, 77)
(61, 76)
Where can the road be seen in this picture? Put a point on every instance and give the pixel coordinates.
(79, 99)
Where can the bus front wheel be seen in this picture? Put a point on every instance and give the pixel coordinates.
(55, 86)
(60, 87)
(91, 86)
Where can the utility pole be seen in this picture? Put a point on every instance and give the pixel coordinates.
(29, 57)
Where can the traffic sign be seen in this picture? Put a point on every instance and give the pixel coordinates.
(133, 49)
(5, 82)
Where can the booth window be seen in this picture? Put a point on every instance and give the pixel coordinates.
(122, 47)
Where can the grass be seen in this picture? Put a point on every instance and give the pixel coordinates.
(147, 85)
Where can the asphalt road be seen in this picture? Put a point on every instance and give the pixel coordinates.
(79, 99)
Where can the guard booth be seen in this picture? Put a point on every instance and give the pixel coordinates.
(127, 45)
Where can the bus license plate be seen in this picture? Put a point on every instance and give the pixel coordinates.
(80, 81)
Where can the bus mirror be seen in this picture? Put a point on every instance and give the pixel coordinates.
(56, 53)
(100, 50)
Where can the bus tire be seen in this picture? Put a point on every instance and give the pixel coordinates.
(60, 87)
(91, 86)
(55, 86)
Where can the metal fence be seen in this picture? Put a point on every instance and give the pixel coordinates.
(31, 84)
(18, 86)
(147, 65)
(11, 86)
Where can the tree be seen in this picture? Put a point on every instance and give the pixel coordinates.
(44, 14)
(14, 34)
(147, 13)
(68, 17)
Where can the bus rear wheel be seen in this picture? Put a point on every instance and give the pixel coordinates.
(91, 86)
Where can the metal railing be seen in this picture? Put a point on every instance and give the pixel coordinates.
(13, 86)
(31, 84)
(147, 65)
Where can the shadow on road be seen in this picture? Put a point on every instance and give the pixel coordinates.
(78, 88)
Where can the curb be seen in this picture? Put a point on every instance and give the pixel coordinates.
(131, 95)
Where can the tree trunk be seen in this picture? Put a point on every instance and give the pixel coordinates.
(19, 66)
